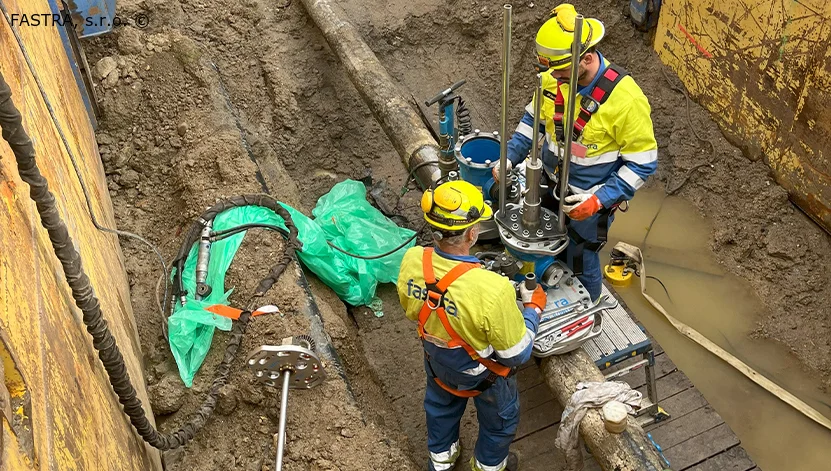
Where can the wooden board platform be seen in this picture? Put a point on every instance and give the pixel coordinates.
(695, 436)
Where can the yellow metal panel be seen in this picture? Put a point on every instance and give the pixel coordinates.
(763, 68)
(76, 420)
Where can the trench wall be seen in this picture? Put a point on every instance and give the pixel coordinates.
(763, 69)
(58, 410)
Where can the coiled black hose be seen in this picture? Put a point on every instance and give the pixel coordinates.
(463, 119)
(87, 302)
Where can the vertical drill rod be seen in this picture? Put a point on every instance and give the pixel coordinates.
(569, 119)
(506, 77)
(533, 169)
(284, 403)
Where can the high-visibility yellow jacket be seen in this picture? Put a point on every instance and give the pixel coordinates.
(481, 307)
(621, 148)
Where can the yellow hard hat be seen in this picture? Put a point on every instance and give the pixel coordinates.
(454, 206)
(556, 35)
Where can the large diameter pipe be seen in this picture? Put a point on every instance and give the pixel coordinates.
(401, 123)
(533, 169)
(629, 450)
(506, 81)
(569, 120)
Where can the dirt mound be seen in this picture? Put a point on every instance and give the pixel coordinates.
(176, 135)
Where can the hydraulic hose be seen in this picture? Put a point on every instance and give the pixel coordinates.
(463, 119)
(195, 231)
(84, 295)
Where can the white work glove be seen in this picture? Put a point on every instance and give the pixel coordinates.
(535, 298)
(583, 206)
(495, 170)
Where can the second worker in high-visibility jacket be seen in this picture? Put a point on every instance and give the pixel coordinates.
(615, 149)
(472, 330)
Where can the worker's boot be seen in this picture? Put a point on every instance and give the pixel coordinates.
(513, 462)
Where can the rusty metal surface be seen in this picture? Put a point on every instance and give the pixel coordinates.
(64, 413)
(763, 68)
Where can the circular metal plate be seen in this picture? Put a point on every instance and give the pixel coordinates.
(270, 361)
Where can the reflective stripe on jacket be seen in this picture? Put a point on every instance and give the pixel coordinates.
(481, 308)
(621, 147)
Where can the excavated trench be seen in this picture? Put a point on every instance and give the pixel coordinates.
(216, 98)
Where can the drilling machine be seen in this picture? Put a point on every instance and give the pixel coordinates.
(533, 236)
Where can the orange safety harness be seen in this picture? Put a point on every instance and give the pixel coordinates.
(435, 304)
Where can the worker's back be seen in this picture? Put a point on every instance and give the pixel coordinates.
(481, 307)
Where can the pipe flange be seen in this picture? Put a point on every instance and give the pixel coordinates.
(516, 236)
(476, 134)
(269, 362)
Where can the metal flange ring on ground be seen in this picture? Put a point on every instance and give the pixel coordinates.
(270, 361)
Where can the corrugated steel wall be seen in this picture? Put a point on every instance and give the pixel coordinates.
(59, 412)
(763, 68)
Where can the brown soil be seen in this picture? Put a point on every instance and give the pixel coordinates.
(222, 97)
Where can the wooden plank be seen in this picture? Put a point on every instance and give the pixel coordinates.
(550, 460)
(701, 447)
(528, 377)
(686, 427)
(538, 418)
(535, 396)
(680, 405)
(548, 413)
(734, 459)
(670, 385)
(536, 444)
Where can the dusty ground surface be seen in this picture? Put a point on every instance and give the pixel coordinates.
(174, 140)
(217, 97)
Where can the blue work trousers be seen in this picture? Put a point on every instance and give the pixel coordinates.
(497, 409)
(592, 277)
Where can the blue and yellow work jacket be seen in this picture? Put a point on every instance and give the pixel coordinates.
(621, 148)
(481, 307)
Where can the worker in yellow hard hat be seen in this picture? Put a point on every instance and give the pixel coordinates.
(614, 149)
(472, 330)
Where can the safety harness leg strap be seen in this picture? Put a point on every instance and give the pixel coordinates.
(581, 244)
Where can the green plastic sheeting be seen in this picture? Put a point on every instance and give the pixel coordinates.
(343, 216)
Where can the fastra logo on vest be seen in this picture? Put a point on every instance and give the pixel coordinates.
(418, 292)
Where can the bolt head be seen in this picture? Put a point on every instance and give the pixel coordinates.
(487, 162)
(514, 226)
(548, 227)
(526, 233)
(545, 216)
(539, 232)
(513, 217)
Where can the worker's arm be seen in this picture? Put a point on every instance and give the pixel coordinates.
(511, 332)
(638, 149)
(522, 139)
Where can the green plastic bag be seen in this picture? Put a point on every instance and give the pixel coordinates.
(343, 216)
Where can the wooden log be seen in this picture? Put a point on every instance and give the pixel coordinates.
(627, 451)
(399, 120)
